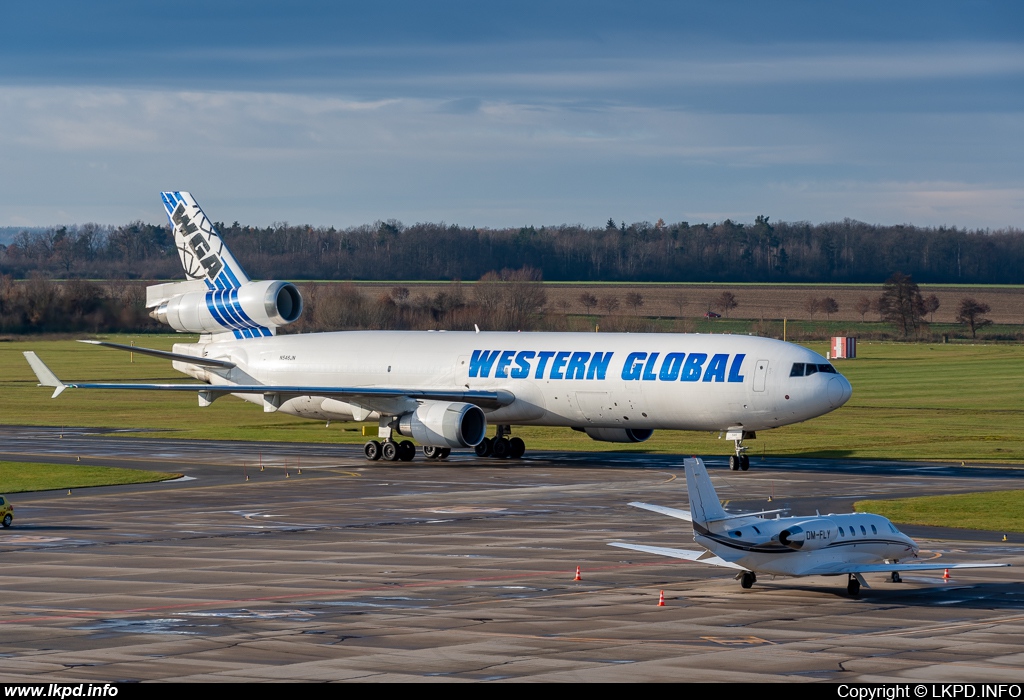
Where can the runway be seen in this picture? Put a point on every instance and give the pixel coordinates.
(463, 571)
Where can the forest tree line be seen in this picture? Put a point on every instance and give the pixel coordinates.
(839, 252)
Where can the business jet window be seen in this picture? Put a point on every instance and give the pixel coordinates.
(842, 532)
(737, 533)
(755, 529)
(863, 531)
(873, 530)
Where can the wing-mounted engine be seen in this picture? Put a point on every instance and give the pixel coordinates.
(445, 424)
(809, 534)
(250, 310)
(619, 434)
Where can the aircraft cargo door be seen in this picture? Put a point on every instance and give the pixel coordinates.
(760, 375)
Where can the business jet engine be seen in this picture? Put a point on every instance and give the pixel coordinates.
(809, 534)
(445, 424)
(250, 309)
(618, 434)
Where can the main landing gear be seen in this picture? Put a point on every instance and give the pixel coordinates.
(748, 579)
(501, 446)
(389, 450)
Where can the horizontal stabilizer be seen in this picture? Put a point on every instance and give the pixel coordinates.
(839, 567)
(204, 361)
(687, 554)
(672, 512)
(44, 374)
(357, 394)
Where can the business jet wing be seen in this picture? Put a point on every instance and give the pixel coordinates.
(838, 567)
(687, 554)
(365, 395)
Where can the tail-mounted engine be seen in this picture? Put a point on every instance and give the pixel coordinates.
(251, 310)
(808, 535)
(444, 424)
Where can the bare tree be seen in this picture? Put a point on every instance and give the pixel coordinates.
(931, 305)
(636, 300)
(972, 314)
(588, 301)
(812, 305)
(512, 298)
(862, 306)
(680, 301)
(901, 303)
(609, 304)
(829, 306)
(727, 302)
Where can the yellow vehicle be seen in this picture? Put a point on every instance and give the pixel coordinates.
(6, 512)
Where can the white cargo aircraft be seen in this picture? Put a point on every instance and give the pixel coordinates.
(851, 544)
(441, 388)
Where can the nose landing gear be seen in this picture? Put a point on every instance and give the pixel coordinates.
(739, 461)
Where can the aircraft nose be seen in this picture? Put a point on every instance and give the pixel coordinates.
(839, 391)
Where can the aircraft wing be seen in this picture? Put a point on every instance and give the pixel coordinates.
(846, 568)
(279, 393)
(673, 512)
(687, 554)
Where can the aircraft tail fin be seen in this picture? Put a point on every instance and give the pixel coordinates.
(201, 249)
(704, 504)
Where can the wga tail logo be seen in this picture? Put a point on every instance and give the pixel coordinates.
(197, 242)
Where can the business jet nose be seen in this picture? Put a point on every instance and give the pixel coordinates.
(839, 391)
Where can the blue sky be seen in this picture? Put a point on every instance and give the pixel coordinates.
(509, 114)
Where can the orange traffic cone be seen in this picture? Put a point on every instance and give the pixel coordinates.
(578, 577)
(661, 600)
(945, 574)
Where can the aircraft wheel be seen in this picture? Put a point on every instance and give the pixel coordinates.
(747, 579)
(445, 451)
(500, 448)
(896, 578)
(744, 462)
(484, 448)
(853, 587)
(389, 451)
(517, 448)
(734, 463)
(372, 450)
(431, 452)
(406, 451)
(7, 520)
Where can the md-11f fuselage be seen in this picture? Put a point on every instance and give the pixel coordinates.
(443, 388)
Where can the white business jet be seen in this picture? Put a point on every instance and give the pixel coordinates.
(442, 388)
(851, 544)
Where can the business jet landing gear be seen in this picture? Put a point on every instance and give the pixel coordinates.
(896, 578)
(853, 586)
(501, 446)
(739, 461)
(748, 579)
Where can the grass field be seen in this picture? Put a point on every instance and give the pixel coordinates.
(910, 401)
(17, 477)
(999, 511)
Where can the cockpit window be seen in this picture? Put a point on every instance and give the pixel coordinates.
(801, 369)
